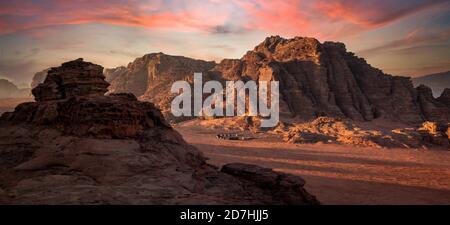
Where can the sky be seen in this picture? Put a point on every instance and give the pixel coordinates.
(401, 37)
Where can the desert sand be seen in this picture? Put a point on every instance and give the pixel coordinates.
(338, 174)
(335, 174)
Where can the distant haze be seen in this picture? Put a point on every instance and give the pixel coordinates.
(437, 82)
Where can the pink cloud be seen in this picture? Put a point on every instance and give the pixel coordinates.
(277, 16)
(16, 17)
(325, 19)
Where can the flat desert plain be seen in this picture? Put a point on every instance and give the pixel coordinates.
(338, 174)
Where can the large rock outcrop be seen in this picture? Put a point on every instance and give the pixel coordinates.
(76, 146)
(317, 79)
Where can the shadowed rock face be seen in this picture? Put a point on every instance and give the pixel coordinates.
(316, 79)
(77, 146)
(445, 97)
(434, 109)
(437, 82)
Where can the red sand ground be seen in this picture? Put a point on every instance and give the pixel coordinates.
(339, 174)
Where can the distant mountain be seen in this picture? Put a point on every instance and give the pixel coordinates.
(10, 90)
(437, 82)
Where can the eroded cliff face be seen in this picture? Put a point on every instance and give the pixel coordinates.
(325, 80)
(151, 76)
(316, 79)
(75, 145)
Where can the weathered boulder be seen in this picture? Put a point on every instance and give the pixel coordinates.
(282, 185)
(74, 78)
(435, 133)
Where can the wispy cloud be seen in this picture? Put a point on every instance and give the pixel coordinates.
(414, 39)
(371, 13)
(22, 15)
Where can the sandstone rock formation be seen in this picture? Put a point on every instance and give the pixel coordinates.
(316, 79)
(76, 146)
(75, 78)
(10, 90)
(283, 186)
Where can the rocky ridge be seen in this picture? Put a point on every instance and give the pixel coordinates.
(316, 79)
